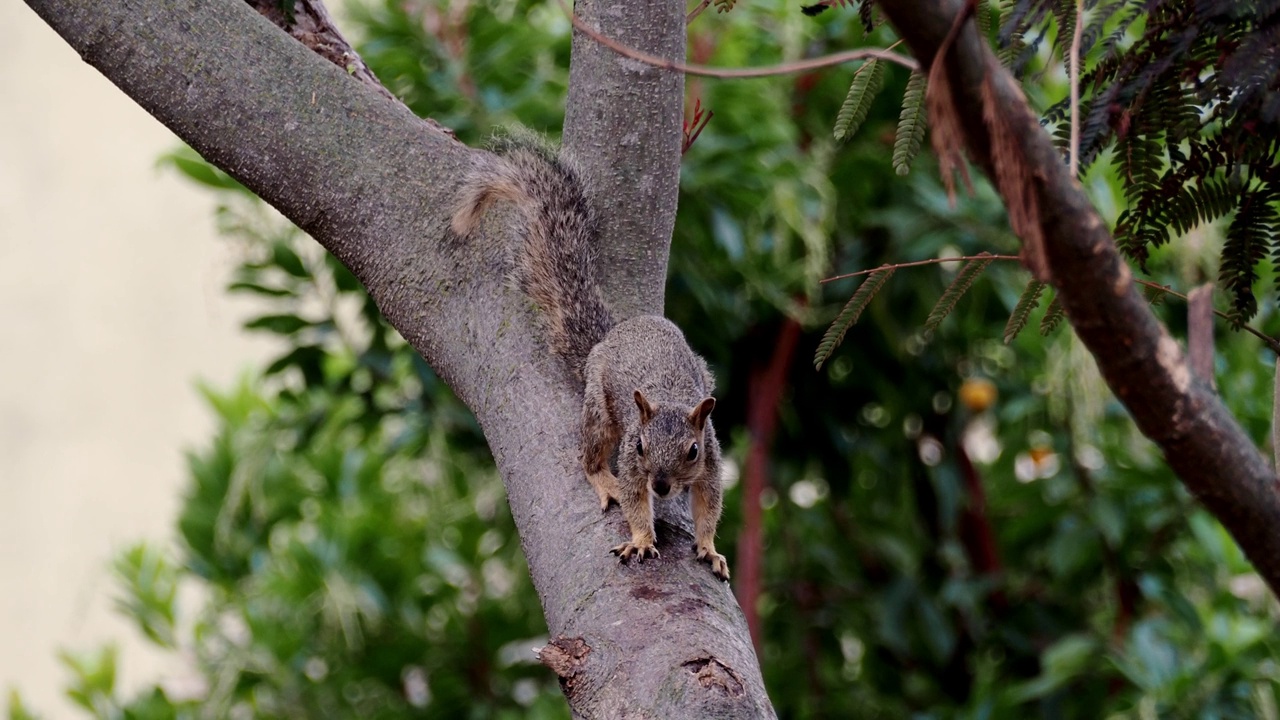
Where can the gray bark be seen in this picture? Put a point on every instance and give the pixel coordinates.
(1142, 364)
(374, 184)
(623, 125)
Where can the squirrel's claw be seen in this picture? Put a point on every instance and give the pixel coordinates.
(627, 550)
(719, 566)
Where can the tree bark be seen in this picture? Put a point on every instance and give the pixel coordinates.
(1141, 363)
(622, 124)
(374, 185)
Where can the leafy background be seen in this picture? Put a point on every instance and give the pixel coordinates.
(952, 526)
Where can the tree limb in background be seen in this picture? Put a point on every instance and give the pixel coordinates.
(767, 386)
(1140, 362)
(1200, 332)
(375, 185)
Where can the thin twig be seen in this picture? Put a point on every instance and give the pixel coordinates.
(694, 13)
(931, 261)
(1073, 162)
(1270, 341)
(754, 72)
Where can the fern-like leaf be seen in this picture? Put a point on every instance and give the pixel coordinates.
(1249, 238)
(1064, 13)
(956, 290)
(862, 92)
(867, 14)
(1196, 204)
(982, 15)
(1026, 304)
(850, 314)
(1053, 317)
(911, 123)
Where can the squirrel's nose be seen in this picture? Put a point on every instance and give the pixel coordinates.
(661, 486)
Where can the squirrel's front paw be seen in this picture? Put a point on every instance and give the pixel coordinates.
(719, 566)
(640, 551)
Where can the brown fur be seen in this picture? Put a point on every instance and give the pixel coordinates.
(647, 394)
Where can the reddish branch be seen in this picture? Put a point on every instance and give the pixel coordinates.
(1064, 237)
(694, 125)
(975, 525)
(763, 399)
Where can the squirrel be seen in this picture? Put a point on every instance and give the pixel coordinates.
(647, 395)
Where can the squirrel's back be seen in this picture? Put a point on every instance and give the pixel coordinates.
(558, 266)
(649, 353)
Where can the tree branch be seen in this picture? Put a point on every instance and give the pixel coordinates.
(374, 185)
(1141, 363)
(623, 127)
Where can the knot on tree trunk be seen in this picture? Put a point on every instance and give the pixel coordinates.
(711, 673)
(566, 657)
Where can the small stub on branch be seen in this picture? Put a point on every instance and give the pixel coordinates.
(565, 656)
(1200, 332)
(713, 674)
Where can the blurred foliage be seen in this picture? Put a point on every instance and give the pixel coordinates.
(1180, 99)
(953, 527)
(345, 531)
(1188, 96)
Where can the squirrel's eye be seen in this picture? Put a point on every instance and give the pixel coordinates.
(640, 448)
(693, 452)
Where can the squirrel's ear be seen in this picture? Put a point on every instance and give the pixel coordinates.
(698, 415)
(646, 410)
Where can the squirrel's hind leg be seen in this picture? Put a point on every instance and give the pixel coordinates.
(599, 437)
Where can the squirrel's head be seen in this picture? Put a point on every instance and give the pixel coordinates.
(669, 448)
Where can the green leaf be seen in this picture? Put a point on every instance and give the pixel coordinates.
(849, 315)
(309, 359)
(281, 324)
(188, 163)
(862, 92)
(956, 290)
(343, 279)
(18, 710)
(911, 124)
(151, 585)
(982, 15)
(248, 287)
(1053, 317)
(286, 259)
(1062, 662)
(1029, 301)
(93, 680)
(1250, 238)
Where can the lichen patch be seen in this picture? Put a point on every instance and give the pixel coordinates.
(1169, 355)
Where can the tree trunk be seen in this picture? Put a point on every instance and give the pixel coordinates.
(374, 185)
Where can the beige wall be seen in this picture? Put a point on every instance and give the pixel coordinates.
(110, 308)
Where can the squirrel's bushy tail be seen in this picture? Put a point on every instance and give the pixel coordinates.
(558, 266)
